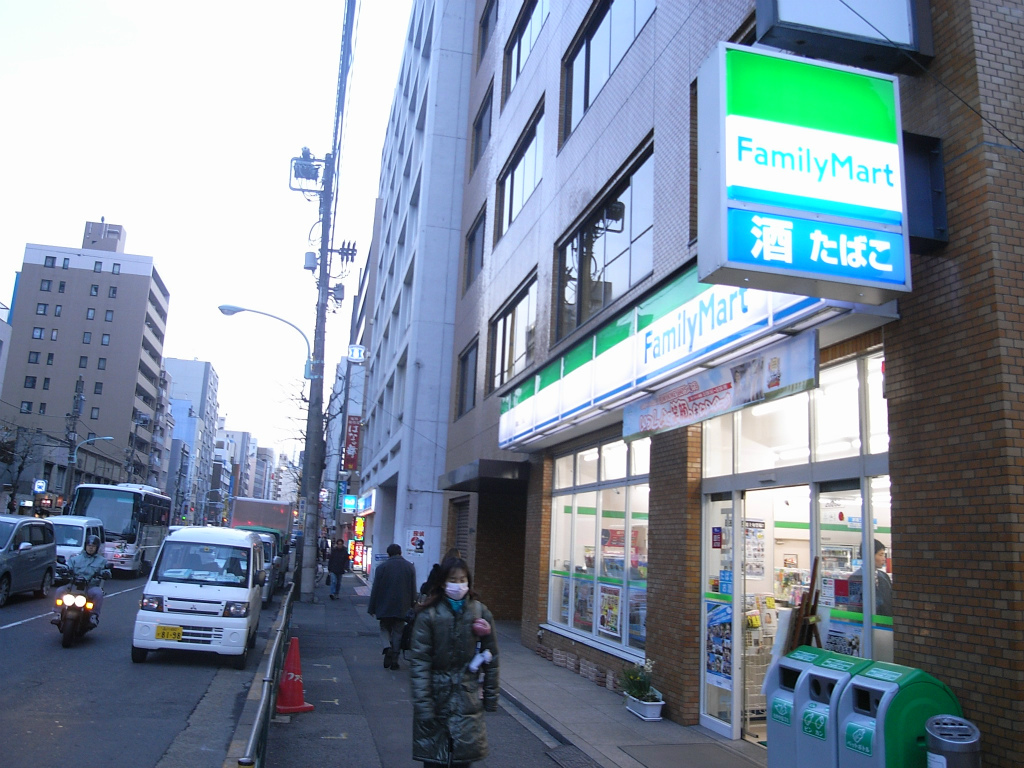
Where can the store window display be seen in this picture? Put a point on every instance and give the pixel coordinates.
(598, 574)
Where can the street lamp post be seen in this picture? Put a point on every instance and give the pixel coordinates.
(69, 483)
(314, 446)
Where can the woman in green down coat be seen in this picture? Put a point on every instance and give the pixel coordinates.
(451, 629)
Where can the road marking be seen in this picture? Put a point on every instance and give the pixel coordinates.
(49, 614)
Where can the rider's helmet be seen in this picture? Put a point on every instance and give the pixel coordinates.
(92, 541)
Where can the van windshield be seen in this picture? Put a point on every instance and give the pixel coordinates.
(68, 535)
(194, 563)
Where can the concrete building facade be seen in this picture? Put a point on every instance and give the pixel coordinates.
(195, 406)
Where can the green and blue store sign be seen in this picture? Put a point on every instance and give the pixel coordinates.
(801, 177)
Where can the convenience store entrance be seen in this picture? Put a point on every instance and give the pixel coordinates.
(746, 580)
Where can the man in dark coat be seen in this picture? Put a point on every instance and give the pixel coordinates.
(391, 597)
(337, 565)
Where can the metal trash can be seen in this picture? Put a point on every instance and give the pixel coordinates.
(952, 742)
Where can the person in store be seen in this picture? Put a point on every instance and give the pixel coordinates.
(883, 582)
(451, 648)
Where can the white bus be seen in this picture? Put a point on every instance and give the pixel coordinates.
(135, 518)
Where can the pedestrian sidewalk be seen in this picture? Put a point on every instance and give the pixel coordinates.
(362, 715)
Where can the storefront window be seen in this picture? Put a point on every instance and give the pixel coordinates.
(878, 413)
(774, 434)
(598, 572)
(837, 433)
(718, 446)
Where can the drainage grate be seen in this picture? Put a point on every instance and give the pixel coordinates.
(569, 756)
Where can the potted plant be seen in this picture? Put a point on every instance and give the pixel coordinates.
(642, 699)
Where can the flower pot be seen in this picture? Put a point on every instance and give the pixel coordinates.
(645, 710)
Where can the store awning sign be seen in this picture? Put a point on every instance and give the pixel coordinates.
(800, 185)
(774, 372)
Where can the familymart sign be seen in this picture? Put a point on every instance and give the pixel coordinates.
(801, 177)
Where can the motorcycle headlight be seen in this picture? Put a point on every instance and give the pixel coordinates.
(79, 601)
(236, 610)
(152, 603)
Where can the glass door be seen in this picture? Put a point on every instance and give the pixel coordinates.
(719, 692)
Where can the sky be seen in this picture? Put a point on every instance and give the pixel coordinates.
(178, 122)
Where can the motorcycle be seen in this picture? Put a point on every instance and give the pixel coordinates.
(75, 608)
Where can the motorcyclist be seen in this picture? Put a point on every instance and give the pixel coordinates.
(94, 568)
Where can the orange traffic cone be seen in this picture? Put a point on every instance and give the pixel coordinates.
(290, 694)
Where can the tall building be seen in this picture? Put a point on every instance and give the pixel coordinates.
(194, 405)
(243, 458)
(88, 329)
(624, 480)
(263, 474)
(408, 382)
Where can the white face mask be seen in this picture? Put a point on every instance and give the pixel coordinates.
(456, 590)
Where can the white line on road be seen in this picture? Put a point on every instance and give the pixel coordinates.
(50, 613)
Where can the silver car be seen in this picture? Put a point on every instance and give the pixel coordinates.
(28, 556)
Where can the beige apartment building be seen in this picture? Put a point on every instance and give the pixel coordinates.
(85, 362)
(579, 228)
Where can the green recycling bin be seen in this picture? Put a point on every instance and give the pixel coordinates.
(780, 693)
(816, 704)
(882, 716)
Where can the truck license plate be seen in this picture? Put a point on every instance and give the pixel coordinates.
(168, 633)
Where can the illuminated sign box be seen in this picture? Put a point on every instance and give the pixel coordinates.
(800, 188)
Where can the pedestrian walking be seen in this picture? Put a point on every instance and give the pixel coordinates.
(392, 595)
(337, 565)
(434, 577)
(452, 644)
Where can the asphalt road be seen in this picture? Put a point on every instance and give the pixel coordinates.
(90, 705)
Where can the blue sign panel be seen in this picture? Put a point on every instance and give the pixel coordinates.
(816, 248)
(350, 503)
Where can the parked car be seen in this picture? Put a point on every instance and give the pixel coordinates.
(272, 565)
(28, 556)
(70, 533)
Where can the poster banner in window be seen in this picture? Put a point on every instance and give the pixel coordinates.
(719, 645)
(609, 606)
(777, 371)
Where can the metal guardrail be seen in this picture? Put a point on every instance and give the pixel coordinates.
(256, 747)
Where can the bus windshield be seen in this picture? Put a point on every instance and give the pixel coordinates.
(113, 506)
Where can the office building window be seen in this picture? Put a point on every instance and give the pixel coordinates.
(522, 41)
(53, 334)
(606, 41)
(37, 333)
(94, 412)
(91, 436)
(66, 264)
(50, 261)
(46, 383)
(30, 382)
(41, 309)
(33, 357)
(112, 293)
(523, 174)
(57, 309)
(61, 286)
(26, 406)
(94, 290)
(49, 358)
(90, 313)
(42, 409)
(83, 362)
(116, 269)
(481, 129)
(44, 285)
(108, 316)
(97, 388)
(610, 253)
(87, 337)
(105, 340)
(487, 21)
(474, 251)
(101, 364)
(97, 266)
(467, 381)
(511, 337)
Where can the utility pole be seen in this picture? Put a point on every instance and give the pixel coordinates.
(71, 433)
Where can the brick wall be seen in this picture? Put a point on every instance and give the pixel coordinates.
(500, 544)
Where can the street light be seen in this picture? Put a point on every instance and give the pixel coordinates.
(70, 485)
(231, 309)
(313, 456)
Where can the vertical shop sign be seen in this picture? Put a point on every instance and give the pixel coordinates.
(716, 537)
(719, 645)
(351, 458)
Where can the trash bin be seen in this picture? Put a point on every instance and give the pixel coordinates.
(816, 703)
(882, 716)
(782, 681)
(952, 742)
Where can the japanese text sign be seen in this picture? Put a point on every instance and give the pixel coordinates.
(351, 458)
